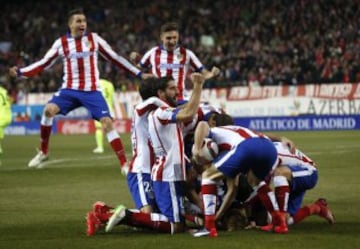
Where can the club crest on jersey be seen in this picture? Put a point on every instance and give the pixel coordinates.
(90, 45)
(180, 57)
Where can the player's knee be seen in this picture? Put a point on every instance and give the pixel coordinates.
(51, 110)
(107, 124)
(48, 113)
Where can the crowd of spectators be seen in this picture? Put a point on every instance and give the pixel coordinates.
(265, 42)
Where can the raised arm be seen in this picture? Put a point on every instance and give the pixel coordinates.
(39, 66)
(187, 113)
(215, 71)
(108, 53)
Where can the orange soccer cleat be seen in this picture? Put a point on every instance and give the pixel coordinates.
(92, 224)
(102, 211)
(325, 211)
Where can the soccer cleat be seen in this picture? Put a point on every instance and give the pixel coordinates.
(98, 150)
(204, 232)
(267, 228)
(102, 211)
(101, 207)
(281, 229)
(118, 215)
(280, 226)
(38, 159)
(325, 211)
(213, 233)
(92, 223)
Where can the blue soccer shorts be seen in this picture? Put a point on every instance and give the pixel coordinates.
(141, 190)
(169, 198)
(69, 99)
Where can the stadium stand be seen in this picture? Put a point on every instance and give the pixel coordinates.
(279, 42)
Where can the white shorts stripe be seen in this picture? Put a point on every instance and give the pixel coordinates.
(302, 173)
(141, 188)
(174, 202)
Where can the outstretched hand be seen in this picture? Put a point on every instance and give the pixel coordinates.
(134, 57)
(252, 225)
(215, 71)
(13, 71)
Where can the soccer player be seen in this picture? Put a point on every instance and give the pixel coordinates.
(138, 178)
(108, 91)
(79, 52)
(245, 152)
(168, 170)
(296, 174)
(5, 113)
(170, 59)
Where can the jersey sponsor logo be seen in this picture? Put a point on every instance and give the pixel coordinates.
(79, 55)
(104, 112)
(170, 66)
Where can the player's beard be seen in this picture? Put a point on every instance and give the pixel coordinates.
(171, 101)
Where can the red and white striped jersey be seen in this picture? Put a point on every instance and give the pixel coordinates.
(80, 61)
(143, 155)
(168, 145)
(175, 63)
(297, 159)
(230, 136)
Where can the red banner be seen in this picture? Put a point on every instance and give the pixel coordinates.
(329, 91)
(75, 126)
(88, 127)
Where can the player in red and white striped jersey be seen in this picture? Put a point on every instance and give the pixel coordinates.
(79, 52)
(243, 152)
(170, 59)
(168, 170)
(296, 175)
(138, 178)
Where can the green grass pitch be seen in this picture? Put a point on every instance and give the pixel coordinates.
(45, 208)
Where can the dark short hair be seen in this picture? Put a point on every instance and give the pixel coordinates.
(149, 87)
(223, 119)
(169, 26)
(146, 89)
(78, 11)
(162, 83)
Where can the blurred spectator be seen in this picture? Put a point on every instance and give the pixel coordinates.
(253, 42)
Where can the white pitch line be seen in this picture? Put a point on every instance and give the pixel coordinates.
(62, 163)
